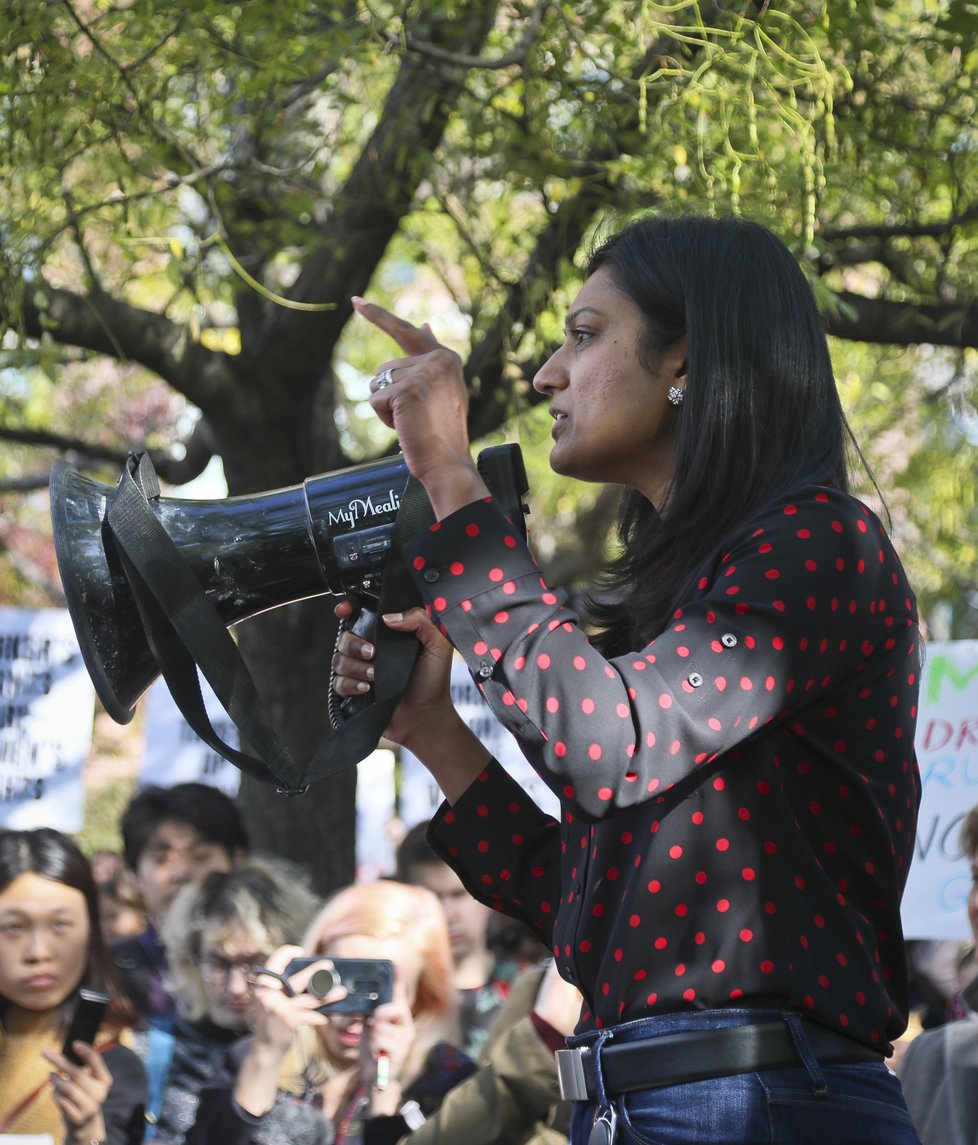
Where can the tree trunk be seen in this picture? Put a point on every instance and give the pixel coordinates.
(288, 651)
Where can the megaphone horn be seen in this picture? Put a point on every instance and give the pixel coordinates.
(329, 535)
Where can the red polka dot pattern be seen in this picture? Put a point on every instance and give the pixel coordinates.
(738, 797)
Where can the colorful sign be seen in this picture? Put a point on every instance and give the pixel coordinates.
(934, 904)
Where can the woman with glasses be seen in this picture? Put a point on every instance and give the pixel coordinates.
(341, 1076)
(215, 934)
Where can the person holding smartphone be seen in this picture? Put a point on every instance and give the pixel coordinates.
(215, 933)
(63, 1071)
(310, 1076)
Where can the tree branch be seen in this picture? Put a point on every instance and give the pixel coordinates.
(516, 58)
(107, 326)
(562, 235)
(145, 113)
(902, 230)
(29, 483)
(377, 194)
(198, 450)
(62, 442)
(73, 225)
(861, 319)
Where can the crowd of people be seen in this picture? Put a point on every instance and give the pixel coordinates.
(213, 1055)
(198, 1047)
(730, 734)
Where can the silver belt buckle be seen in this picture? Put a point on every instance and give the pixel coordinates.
(570, 1074)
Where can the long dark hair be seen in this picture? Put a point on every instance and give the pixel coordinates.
(761, 412)
(47, 852)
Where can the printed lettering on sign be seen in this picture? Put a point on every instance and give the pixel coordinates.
(934, 903)
(176, 754)
(47, 705)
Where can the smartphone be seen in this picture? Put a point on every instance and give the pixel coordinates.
(85, 1021)
(368, 982)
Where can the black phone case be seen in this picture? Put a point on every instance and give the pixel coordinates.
(369, 982)
(85, 1021)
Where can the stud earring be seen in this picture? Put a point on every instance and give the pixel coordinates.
(676, 396)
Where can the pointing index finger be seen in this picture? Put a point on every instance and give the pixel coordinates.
(411, 339)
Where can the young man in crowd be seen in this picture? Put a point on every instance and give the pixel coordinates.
(171, 836)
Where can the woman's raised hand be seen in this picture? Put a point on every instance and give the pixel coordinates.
(388, 1037)
(283, 1004)
(79, 1091)
(422, 397)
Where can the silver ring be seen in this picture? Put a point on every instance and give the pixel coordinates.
(384, 380)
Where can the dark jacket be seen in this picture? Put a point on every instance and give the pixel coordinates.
(125, 1107)
(514, 1099)
(140, 966)
(300, 1121)
(198, 1051)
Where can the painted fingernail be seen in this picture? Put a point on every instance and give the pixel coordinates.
(367, 651)
(363, 686)
(370, 672)
(394, 617)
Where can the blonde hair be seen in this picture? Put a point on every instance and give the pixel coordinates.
(266, 902)
(414, 917)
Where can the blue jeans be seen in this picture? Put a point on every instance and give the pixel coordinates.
(857, 1104)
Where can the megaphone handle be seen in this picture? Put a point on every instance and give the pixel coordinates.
(364, 624)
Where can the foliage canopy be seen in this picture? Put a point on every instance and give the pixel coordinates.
(194, 189)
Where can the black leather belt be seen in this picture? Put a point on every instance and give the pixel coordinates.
(695, 1055)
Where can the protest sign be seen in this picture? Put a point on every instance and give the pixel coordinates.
(176, 754)
(47, 706)
(934, 904)
(375, 813)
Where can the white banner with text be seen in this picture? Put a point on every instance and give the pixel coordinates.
(934, 905)
(420, 796)
(47, 706)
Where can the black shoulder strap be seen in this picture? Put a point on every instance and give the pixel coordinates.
(185, 632)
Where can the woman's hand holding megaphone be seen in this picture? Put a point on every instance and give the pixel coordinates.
(425, 713)
(426, 702)
(426, 403)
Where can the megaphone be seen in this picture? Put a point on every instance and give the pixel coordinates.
(331, 535)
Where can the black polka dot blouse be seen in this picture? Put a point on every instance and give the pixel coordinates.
(738, 798)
